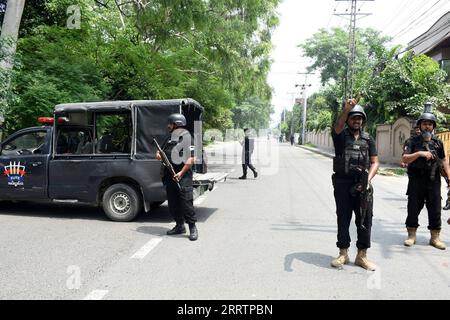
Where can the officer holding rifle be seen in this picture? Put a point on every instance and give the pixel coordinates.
(178, 159)
(425, 157)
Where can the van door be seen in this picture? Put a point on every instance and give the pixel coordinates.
(24, 165)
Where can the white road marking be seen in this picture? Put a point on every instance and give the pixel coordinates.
(96, 295)
(146, 248)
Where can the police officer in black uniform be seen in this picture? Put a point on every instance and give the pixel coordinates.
(179, 195)
(356, 158)
(424, 154)
(247, 150)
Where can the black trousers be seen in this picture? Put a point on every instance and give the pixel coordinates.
(346, 204)
(180, 202)
(421, 190)
(247, 164)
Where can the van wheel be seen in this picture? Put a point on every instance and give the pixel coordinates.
(121, 202)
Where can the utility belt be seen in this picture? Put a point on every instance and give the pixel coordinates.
(339, 167)
(423, 172)
(350, 178)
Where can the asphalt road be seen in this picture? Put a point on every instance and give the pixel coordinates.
(267, 238)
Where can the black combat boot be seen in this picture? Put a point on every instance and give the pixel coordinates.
(255, 174)
(193, 232)
(447, 205)
(244, 174)
(178, 229)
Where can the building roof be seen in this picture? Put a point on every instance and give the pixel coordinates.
(432, 39)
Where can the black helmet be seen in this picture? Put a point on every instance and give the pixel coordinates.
(427, 116)
(357, 111)
(178, 119)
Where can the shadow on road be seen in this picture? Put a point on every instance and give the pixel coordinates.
(162, 214)
(155, 231)
(52, 210)
(87, 212)
(388, 235)
(304, 227)
(314, 258)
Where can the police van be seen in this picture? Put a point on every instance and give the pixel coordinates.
(100, 153)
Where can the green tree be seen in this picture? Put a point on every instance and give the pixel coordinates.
(252, 113)
(389, 87)
(216, 52)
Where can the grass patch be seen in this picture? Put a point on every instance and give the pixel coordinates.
(309, 144)
(392, 171)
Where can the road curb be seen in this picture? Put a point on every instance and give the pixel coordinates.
(324, 153)
(383, 169)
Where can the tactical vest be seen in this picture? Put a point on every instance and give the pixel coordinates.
(421, 166)
(355, 156)
(168, 147)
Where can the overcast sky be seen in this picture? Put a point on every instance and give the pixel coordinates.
(404, 20)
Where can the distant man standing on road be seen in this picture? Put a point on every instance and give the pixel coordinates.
(247, 149)
(354, 166)
(180, 196)
(423, 154)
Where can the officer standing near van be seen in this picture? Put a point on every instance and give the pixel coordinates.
(354, 166)
(424, 155)
(179, 188)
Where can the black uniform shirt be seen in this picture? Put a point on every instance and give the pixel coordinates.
(419, 166)
(177, 148)
(339, 143)
(410, 147)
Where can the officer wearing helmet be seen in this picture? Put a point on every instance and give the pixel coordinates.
(355, 160)
(179, 187)
(424, 154)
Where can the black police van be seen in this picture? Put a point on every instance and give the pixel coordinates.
(100, 153)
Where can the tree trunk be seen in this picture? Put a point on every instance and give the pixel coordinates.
(8, 40)
(10, 31)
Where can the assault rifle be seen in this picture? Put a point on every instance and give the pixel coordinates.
(435, 164)
(364, 190)
(166, 162)
(366, 197)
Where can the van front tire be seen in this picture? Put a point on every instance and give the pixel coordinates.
(121, 202)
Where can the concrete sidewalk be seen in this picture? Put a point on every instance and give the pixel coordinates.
(330, 154)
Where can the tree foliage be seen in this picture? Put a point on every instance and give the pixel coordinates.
(388, 86)
(216, 52)
(253, 113)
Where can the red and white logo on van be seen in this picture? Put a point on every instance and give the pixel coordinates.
(15, 173)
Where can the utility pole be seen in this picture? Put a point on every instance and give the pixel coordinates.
(292, 117)
(348, 84)
(305, 102)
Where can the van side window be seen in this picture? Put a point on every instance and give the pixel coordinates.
(113, 132)
(27, 144)
(74, 140)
